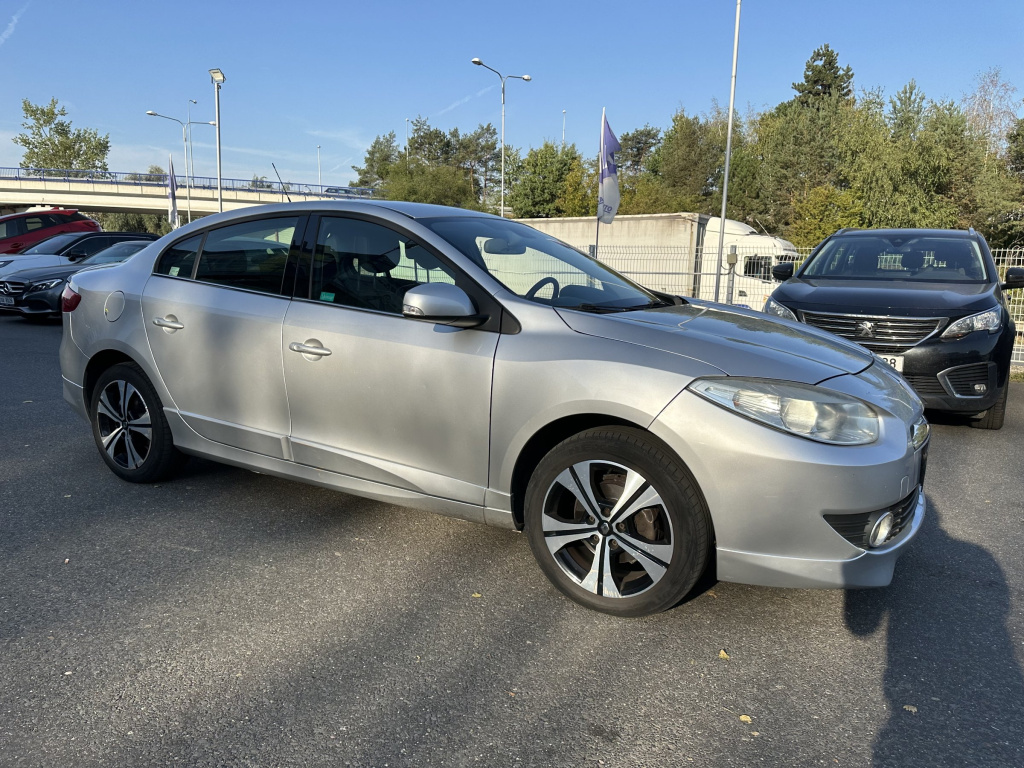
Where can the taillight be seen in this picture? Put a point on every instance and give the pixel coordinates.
(69, 299)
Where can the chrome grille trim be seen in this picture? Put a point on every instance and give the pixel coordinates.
(891, 334)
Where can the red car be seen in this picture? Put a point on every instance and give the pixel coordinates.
(20, 230)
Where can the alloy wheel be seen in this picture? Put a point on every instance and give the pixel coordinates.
(124, 424)
(607, 528)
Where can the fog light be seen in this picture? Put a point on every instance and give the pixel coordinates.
(980, 388)
(881, 529)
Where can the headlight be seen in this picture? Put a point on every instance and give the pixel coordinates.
(45, 285)
(772, 307)
(989, 320)
(800, 409)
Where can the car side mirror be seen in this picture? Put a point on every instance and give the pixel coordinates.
(1014, 279)
(441, 303)
(77, 256)
(783, 271)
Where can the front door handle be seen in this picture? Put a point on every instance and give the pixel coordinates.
(311, 348)
(168, 322)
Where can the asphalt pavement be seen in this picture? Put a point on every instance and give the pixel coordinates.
(226, 618)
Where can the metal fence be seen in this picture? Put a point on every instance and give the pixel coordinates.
(122, 178)
(689, 272)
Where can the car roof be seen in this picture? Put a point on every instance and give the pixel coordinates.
(21, 214)
(905, 231)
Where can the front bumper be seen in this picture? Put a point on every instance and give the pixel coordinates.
(37, 303)
(768, 493)
(944, 372)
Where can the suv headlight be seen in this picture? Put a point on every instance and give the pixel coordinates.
(989, 320)
(45, 285)
(772, 307)
(800, 409)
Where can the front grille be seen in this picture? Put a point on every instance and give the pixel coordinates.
(880, 334)
(963, 378)
(856, 528)
(926, 385)
(12, 288)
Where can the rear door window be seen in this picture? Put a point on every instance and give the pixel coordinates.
(180, 259)
(251, 255)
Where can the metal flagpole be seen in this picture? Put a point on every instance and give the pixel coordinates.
(728, 153)
(600, 164)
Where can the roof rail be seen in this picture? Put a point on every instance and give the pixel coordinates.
(843, 230)
(970, 231)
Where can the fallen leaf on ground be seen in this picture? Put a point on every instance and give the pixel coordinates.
(745, 719)
(477, 594)
(722, 654)
(910, 708)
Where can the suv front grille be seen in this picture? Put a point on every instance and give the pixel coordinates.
(881, 334)
(856, 528)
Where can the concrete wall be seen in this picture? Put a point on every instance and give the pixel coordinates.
(679, 230)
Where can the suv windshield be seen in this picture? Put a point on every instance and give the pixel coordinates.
(52, 244)
(537, 267)
(899, 257)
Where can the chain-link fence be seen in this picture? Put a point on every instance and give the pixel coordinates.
(690, 272)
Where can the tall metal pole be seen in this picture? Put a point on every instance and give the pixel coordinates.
(563, 129)
(407, 138)
(728, 154)
(216, 116)
(319, 181)
(188, 189)
(502, 146)
(191, 168)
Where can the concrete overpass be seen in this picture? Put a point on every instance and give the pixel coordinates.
(110, 191)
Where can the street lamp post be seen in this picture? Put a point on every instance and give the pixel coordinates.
(728, 153)
(190, 161)
(319, 181)
(407, 138)
(217, 78)
(184, 144)
(503, 78)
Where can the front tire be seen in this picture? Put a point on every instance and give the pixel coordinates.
(617, 522)
(129, 426)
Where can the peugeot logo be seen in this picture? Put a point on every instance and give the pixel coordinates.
(865, 329)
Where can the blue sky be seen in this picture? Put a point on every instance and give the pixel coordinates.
(339, 73)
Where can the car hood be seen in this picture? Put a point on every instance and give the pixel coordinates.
(736, 341)
(889, 297)
(38, 274)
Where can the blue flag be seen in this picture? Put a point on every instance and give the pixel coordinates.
(608, 192)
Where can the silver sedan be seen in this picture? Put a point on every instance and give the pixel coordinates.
(468, 365)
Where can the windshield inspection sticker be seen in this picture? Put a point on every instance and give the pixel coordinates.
(325, 296)
(174, 271)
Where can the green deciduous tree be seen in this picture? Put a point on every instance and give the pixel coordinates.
(51, 142)
(541, 181)
(419, 182)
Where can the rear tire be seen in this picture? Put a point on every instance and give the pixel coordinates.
(129, 426)
(994, 416)
(617, 522)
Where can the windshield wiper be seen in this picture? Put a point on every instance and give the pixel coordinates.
(600, 309)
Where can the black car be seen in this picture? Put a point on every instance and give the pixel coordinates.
(927, 301)
(36, 292)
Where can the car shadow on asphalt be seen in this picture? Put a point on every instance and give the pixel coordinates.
(952, 682)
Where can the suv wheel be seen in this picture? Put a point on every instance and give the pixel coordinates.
(617, 523)
(994, 416)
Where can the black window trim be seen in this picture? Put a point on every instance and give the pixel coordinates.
(293, 249)
(498, 318)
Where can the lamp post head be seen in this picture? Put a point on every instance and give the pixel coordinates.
(527, 78)
(477, 62)
(217, 76)
(151, 113)
(193, 101)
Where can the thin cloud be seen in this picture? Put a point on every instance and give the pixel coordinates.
(463, 100)
(12, 24)
(348, 138)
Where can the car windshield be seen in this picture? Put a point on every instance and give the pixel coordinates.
(540, 268)
(115, 253)
(52, 244)
(899, 257)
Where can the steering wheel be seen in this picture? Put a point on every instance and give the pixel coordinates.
(532, 293)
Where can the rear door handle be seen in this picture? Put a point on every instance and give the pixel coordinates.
(168, 322)
(309, 349)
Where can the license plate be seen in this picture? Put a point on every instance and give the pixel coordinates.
(6, 300)
(896, 361)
